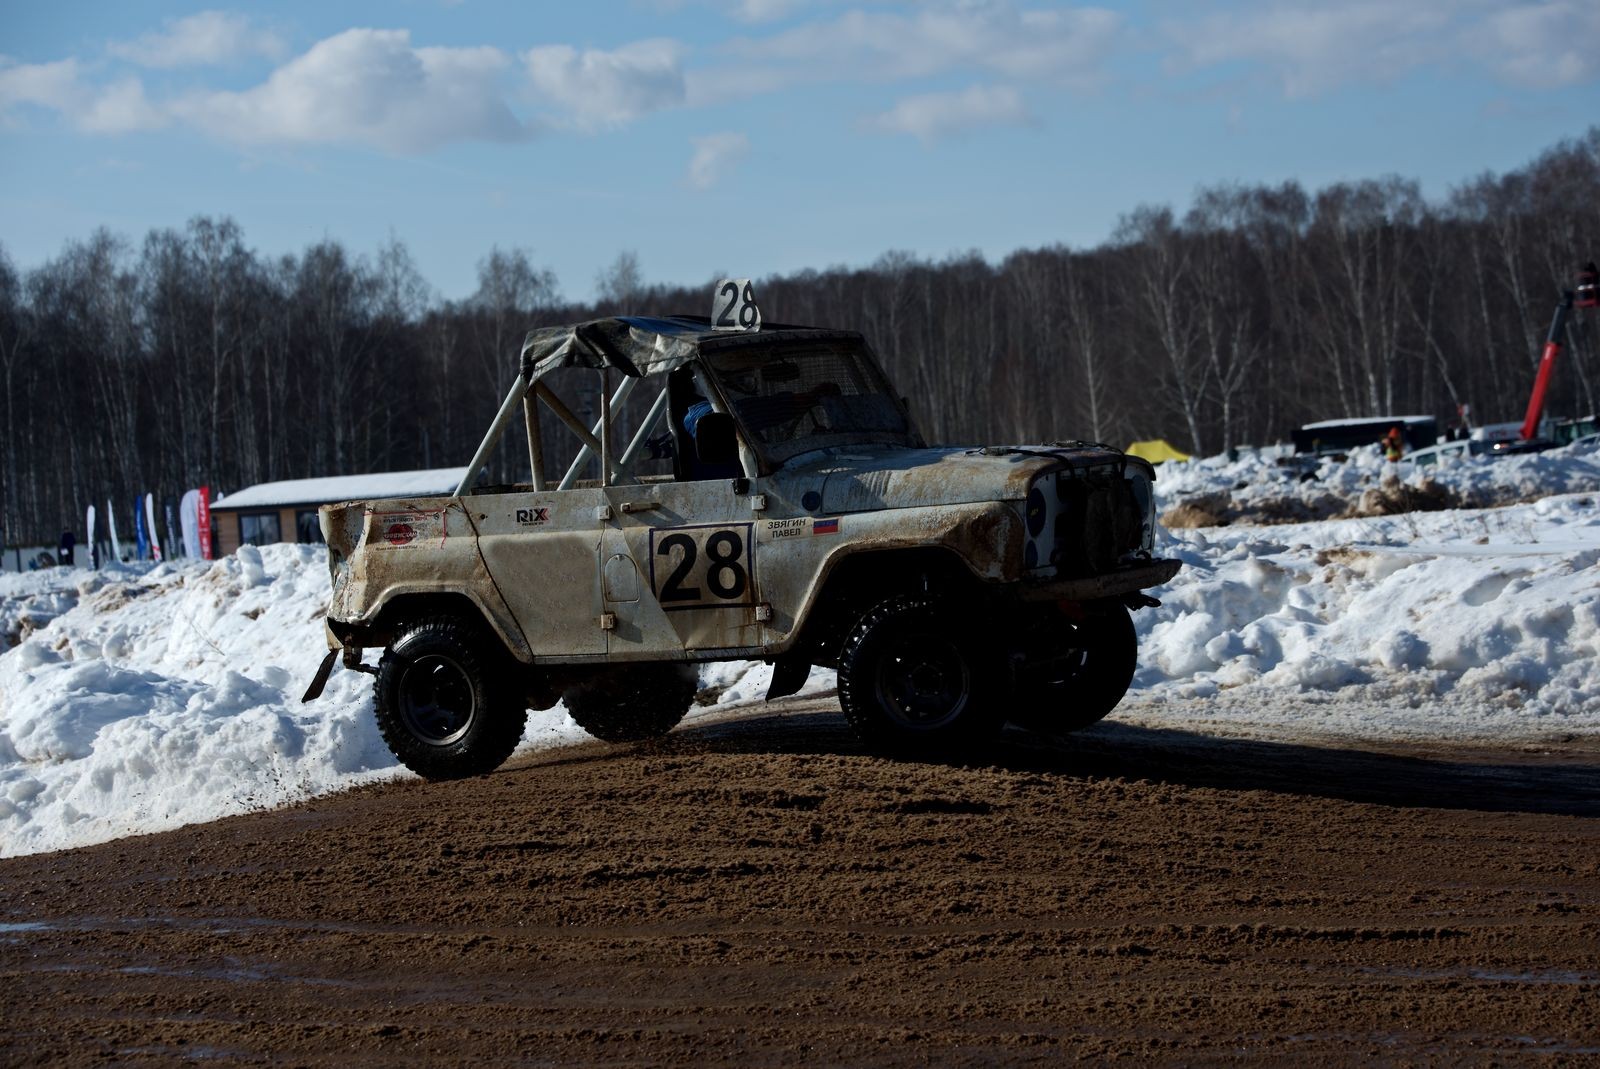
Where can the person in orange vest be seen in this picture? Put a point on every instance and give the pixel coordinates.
(1393, 445)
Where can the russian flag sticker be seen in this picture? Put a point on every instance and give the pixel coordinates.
(825, 526)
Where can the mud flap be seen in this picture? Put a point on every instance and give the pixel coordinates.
(320, 680)
(788, 675)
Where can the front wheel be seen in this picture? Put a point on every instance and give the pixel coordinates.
(1081, 675)
(444, 713)
(914, 676)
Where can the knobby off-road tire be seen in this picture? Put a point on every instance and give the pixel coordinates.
(1081, 689)
(447, 708)
(914, 676)
(634, 704)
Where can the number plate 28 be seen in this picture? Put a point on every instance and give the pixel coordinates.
(733, 306)
(708, 567)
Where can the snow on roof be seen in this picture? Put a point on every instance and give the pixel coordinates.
(1356, 422)
(430, 482)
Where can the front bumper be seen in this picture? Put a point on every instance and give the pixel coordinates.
(1109, 585)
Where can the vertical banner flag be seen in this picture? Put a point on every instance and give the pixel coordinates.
(150, 524)
(189, 520)
(205, 522)
(141, 544)
(111, 522)
(172, 530)
(94, 542)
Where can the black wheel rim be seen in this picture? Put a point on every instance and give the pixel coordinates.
(436, 700)
(923, 682)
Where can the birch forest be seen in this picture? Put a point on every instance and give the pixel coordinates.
(188, 358)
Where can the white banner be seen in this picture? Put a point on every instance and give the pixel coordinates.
(189, 521)
(150, 524)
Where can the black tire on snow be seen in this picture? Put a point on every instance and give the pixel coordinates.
(914, 676)
(1081, 690)
(634, 704)
(446, 708)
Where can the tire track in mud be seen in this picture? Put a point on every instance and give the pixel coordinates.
(758, 890)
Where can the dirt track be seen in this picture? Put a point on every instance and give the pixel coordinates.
(758, 891)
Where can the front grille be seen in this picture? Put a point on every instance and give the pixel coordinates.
(1086, 521)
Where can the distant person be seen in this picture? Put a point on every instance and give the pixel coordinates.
(1393, 445)
(65, 548)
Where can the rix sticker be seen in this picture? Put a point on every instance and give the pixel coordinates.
(532, 517)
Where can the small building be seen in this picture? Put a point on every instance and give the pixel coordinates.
(287, 511)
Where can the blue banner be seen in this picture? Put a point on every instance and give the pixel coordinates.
(141, 542)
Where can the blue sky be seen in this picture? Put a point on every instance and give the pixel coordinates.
(746, 137)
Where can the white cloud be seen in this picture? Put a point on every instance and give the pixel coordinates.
(203, 39)
(120, 108)
(762, 10)
(47, 85)
(714, 156)
(1311, 49)
(1056, 46)
(932, 116)
(115, 109)
(369, 87)
(598, 89)
(1541, 44)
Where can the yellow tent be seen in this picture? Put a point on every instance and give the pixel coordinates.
(1155, 450)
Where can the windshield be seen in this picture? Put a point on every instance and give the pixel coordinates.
(808, 395)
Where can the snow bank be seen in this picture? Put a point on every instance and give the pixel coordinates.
(1258, 487)
(1456, 624)
(145, 697)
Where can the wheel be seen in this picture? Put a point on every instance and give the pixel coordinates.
(1090, 665)
(633, 704)
(444, 710)
(914, 676)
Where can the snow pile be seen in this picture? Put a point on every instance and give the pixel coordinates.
(1266, 486)
(149, 696)
(144, 697)
(1465, 624)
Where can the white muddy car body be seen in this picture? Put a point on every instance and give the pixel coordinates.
(804, 522)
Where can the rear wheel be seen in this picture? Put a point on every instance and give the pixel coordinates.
(441, 708)
(633, 704)
(913, 675)
(1082, 673)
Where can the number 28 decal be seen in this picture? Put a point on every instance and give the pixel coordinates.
(733, 306)
(702, 567)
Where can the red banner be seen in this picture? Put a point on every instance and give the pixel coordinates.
(205, 523)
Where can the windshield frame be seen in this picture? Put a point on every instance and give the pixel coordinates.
(773, 456)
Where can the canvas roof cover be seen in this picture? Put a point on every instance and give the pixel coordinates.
(645, 345)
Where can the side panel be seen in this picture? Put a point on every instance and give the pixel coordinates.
(542, 550)
(388, 549)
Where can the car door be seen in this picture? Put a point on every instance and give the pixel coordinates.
(678, 569)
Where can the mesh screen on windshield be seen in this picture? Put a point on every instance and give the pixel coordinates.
(804, 391)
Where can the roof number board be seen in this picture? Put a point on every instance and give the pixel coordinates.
(733, 306)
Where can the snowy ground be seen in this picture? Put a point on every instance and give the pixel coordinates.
(140, 698)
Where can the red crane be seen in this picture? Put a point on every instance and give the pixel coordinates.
(1587, 295)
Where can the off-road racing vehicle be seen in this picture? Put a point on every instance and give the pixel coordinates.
(799, 519)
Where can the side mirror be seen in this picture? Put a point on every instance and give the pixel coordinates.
(715, 440)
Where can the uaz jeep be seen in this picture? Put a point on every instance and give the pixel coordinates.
(803, 521)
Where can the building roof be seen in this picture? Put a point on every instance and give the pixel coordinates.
(431, 482)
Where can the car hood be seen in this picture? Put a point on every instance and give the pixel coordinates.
(860, 479)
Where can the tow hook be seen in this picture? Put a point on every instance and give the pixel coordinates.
(352, 661)
(1140, 600)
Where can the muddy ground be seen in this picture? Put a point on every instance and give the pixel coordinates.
(759, 891)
